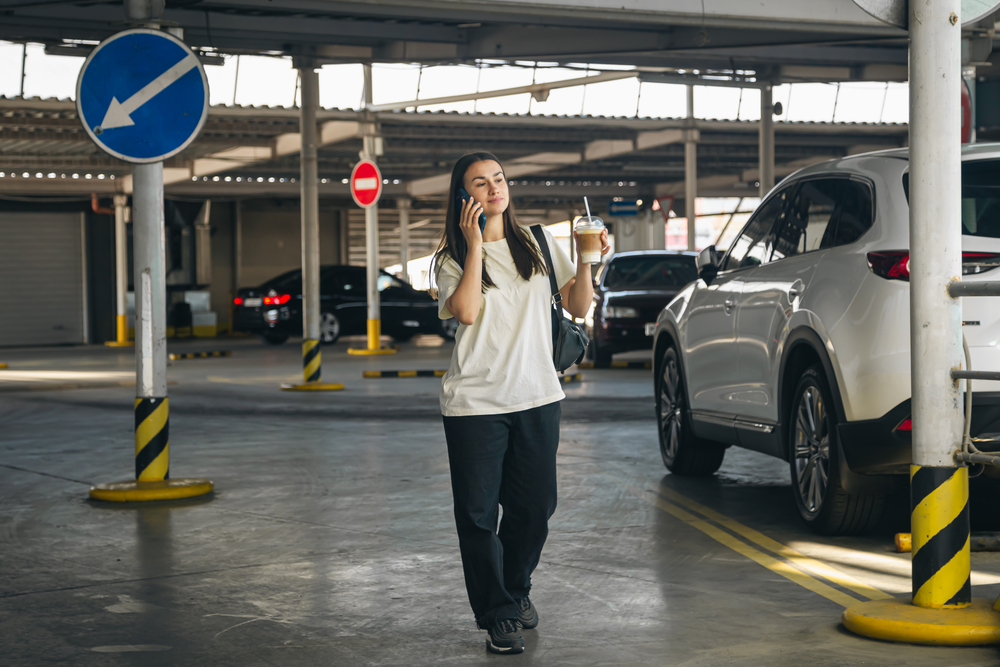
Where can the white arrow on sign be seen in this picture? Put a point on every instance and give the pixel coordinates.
(120, 113)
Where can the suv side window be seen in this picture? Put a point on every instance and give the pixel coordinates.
(856, 215)
(750, 247)
(806, 226)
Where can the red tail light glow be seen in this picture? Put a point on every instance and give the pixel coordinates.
(905, 425)
(890, 265)
(278, 300)
(895, 264)
(238, 301)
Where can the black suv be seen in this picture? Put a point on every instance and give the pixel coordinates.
(274, 310)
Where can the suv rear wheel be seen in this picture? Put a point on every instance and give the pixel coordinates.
(814, 460)
(683, 453)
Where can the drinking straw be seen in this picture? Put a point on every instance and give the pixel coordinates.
(587, 205)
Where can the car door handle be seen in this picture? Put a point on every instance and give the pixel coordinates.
(728, 304)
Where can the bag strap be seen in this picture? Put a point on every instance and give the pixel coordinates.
(543, 244)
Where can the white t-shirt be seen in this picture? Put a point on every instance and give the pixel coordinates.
(502, 362)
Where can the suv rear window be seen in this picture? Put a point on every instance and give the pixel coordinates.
(980, 197)
(650, 272)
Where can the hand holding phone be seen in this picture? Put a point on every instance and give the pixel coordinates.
(460, 200)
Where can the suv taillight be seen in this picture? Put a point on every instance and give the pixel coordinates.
(895, 265)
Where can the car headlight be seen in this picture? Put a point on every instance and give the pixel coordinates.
(616, 312)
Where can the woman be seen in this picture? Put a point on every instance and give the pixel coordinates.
(500, 396)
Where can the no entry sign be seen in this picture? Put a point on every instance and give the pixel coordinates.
(366, 184)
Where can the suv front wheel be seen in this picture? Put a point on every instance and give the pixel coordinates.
(682, 452)
(814, 459)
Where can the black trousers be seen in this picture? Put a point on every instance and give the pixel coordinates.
(507, 460)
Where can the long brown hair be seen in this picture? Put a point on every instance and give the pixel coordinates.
(527, 257)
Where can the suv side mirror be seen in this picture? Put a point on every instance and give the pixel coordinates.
(709, 262)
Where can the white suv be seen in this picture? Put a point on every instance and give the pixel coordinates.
(796, 343)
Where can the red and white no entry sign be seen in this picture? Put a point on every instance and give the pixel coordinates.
(366, 184)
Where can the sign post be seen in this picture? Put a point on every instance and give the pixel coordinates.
(366, 188)
(142, 97)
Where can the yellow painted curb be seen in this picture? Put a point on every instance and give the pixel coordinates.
(312, 386)
(362, 351)
(114, 343)
(899, 621)
(135, 491)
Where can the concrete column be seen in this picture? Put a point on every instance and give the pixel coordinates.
(150, 281)
(404, 235)
(121, 271)
(690, 171)
(935, 317)
(309, 205)
(766, 141)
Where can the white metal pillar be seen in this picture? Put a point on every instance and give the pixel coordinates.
(404, 236)
(935, 317)
(766, 141)
(690, 171)
(311, 360)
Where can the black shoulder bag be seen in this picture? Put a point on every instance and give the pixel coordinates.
(569, 341)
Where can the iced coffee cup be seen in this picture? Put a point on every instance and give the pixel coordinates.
(588, 236)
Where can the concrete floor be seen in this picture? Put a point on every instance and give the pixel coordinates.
(330, 541)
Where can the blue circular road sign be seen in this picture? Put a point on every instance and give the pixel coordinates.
(142, 95)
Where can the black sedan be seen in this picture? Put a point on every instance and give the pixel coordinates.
(630, 290)
(274, 310)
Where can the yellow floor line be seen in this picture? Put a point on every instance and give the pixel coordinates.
(782, 568)
(811, 564)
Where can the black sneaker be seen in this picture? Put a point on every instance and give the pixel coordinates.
(504, 637)
(527, 616)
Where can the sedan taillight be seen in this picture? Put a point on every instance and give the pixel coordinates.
(895, 264)
(277, 300)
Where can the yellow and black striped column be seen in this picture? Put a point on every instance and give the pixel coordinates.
(152, 439)
(311, 360)
(940, 527)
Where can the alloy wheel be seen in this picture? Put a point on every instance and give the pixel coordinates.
(671, 409)
(329, 328)
(812, 449)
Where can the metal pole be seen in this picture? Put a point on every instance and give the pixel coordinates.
(24, 62)
(690, 171)
(151, 405)
(237, 256)
(766, 141)
(121, 271)
(311, 360)
(371, 230)
(404, 236)
(939, 489)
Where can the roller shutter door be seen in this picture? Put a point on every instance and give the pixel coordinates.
(42, 279)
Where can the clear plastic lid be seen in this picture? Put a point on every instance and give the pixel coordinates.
(589, 222)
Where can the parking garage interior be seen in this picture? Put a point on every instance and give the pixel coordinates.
(329, 537)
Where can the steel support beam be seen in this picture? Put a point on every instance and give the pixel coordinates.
(690, 173)
(766, 140)
(404, 236)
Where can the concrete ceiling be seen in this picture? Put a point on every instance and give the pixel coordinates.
(827, 40)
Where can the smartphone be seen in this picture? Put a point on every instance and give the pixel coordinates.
(460, 200)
